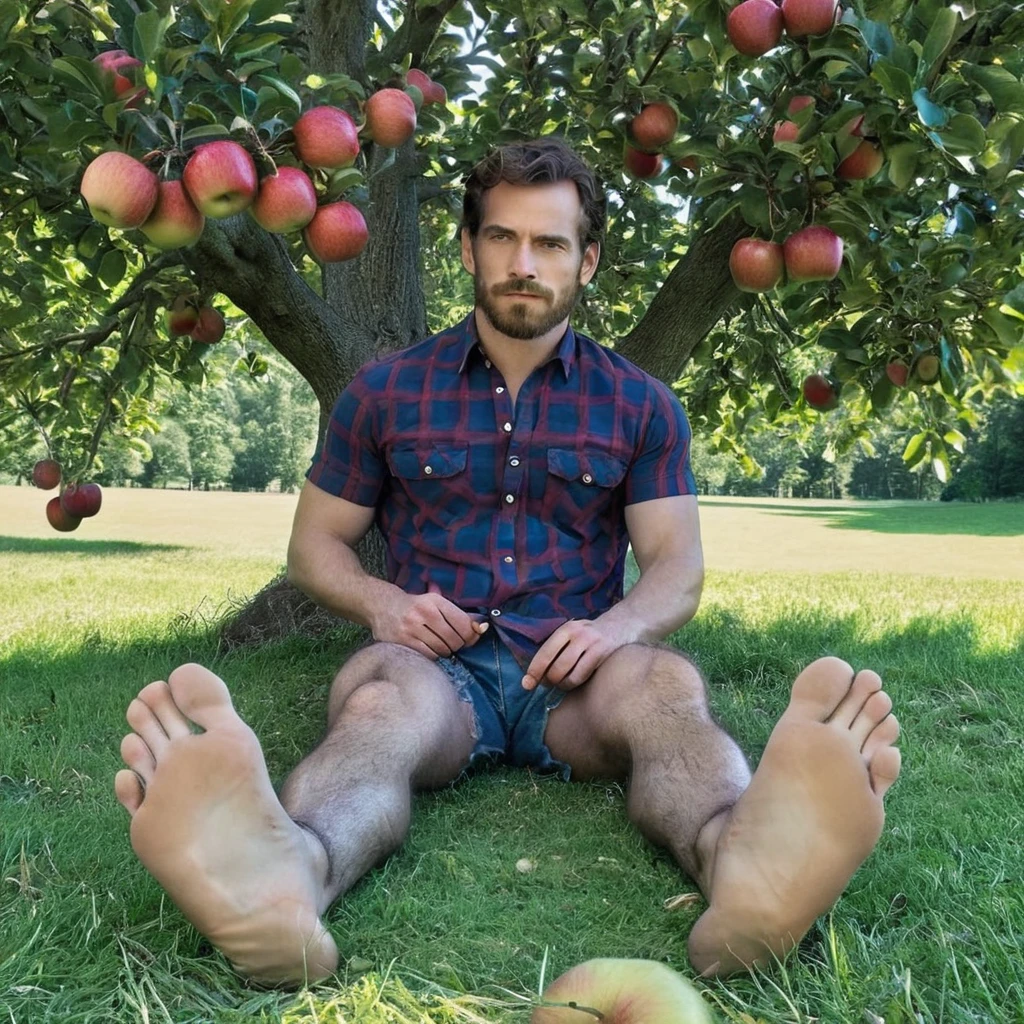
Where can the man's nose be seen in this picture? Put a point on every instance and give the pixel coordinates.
(523, 262)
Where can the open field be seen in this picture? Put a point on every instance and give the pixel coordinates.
(929, 929)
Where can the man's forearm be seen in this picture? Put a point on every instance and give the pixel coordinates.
(332, 575)
(664, 598)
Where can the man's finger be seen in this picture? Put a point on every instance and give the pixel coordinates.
(543, 659)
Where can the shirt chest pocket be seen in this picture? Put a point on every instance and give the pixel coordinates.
(581, 485)
(433, 478)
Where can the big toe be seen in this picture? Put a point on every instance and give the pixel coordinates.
(819, 689)
(202, 696)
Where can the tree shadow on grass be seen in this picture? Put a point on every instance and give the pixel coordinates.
(62, 546)
(597, 889)
(1002, 519)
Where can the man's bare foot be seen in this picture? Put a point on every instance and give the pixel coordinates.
(208, 826)
(811, 815)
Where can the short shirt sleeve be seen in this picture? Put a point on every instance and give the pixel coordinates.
(661, 469)
(349, 463)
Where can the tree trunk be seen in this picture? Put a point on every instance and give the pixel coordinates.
(375, 305)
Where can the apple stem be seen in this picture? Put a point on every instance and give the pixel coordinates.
(573, 1005)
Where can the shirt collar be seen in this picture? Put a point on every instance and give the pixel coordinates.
(468, 340)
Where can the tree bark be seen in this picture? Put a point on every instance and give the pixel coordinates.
(375, 305)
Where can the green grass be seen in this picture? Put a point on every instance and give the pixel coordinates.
(448, 930)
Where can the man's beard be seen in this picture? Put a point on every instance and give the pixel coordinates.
(524, 318)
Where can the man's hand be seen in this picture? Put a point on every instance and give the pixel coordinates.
(574, 652)
(428, 624)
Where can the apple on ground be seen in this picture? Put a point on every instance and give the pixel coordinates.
(864, 162)
(119, 190)
(337, 232)
(326, 137)
(809, 17)
(897, 373)
(927, 368)
(814, 253)
(755, 27)
(174, 222)
(286, 201)
(220, 177)
(59, 518)
(183, 316)
(390, 117)
(756, 265)
(82, 500)
(819, 392)
(654, 127)
(622, 992)
(789, 131)
(210, 327)
(641, 165)
(46, 474)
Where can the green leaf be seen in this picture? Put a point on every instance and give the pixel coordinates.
(932, 116)
(112, 268)
(940, 35)
(204, 132)
(897, 84)
(915, 450)
(964, 136)
(964, 220)
(877, 35)
(1013, 303)
(882, 393)
(282, 87)
(84, 72)
(955, 439)
(150, 29)
(940, 465)
(1006, 90)
(903, 163)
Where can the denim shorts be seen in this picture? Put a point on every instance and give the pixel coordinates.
(510, 721)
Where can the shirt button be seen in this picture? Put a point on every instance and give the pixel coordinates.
(500, 390)
(507, 428)
(495, 612)
(487, 363)
(513, 461)
(587, 478)
(510, 498)
(428, 470)
(508, 558)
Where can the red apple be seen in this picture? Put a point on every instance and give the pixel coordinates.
(112, 61)
(808, 17)
(927, 368)
(789, 131)
(422, 81)
(813, 253)
(82, 500)
(326, 137)
(120, 190)
(819, 393)
(438, 94)
(897, 373)
(864, 162)
(337, 232)
(59, 519)
(182, 317)
(654, 127)
(755, 27)
(286, 201)
(210, 328)
(641, 165)
(390, 117)
(689, 163)
(756, 265)
(46, 474)
(174, 222)
(622, 992)
(220, 178)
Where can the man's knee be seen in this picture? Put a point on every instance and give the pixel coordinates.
(379, 662)
(651, 674)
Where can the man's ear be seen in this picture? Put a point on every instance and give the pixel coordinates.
(467, 252)
(589, 265)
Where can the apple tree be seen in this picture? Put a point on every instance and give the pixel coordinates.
(866, 158)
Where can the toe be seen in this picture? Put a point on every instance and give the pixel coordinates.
(128, 790)
(820, 688)
(875, 709)
(865, 684)
(201, 695)
(158, 698)
(883, 768)
(143, 720)
(136, 754)
(884, 734)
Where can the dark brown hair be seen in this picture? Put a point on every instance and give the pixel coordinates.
(535, 163)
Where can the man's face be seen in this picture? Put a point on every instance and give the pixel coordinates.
(529, 243)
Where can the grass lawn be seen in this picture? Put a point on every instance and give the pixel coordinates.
(929, 930)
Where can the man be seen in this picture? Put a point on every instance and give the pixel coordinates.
(508, 461)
